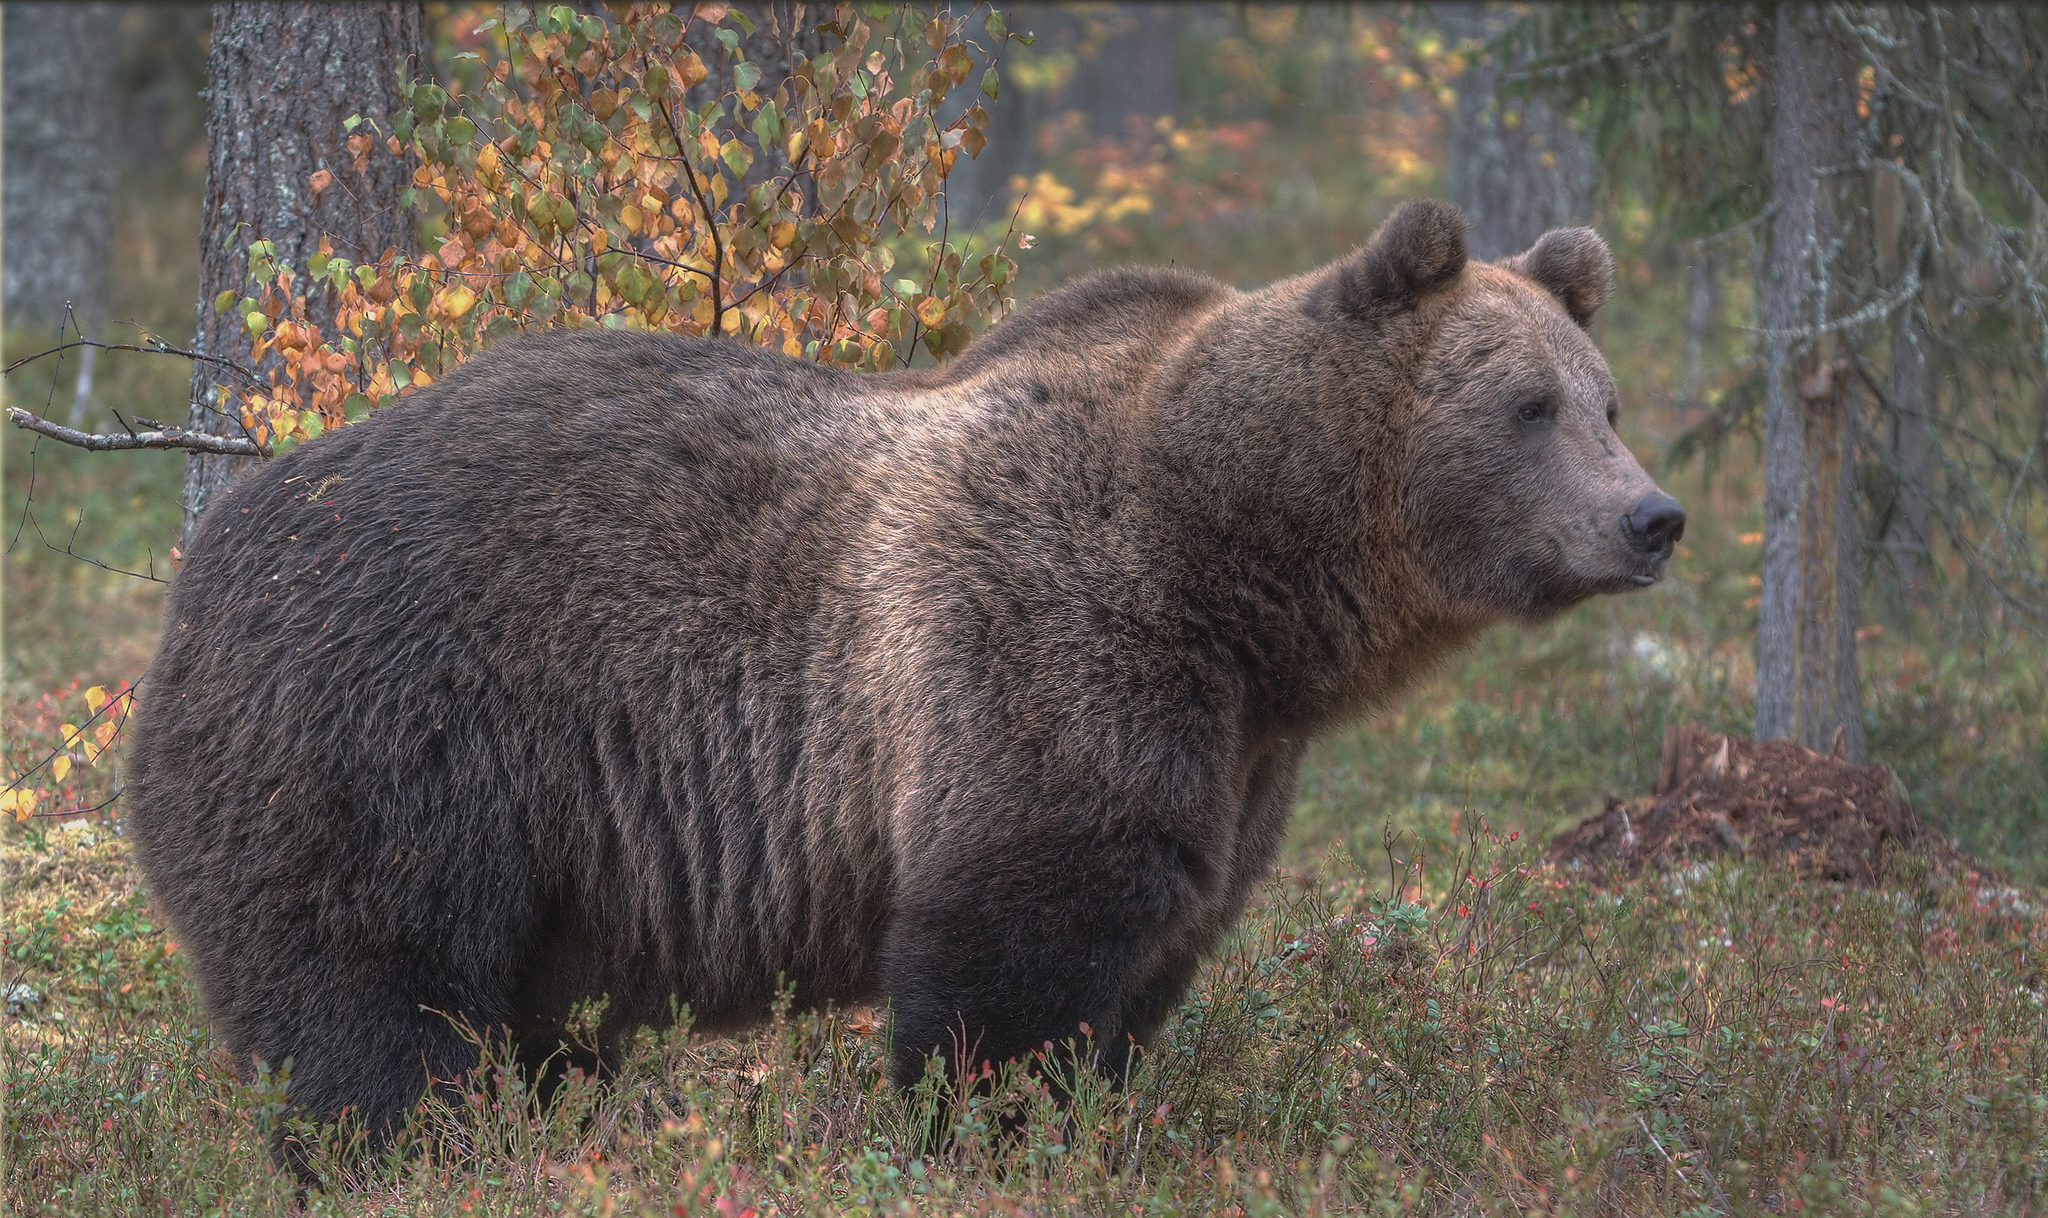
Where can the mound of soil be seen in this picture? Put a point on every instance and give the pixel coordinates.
(1767, 799)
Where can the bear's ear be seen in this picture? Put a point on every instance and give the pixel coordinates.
(1572, 264)
(1419, 249)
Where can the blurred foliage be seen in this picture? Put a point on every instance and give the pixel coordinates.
(1299, 128)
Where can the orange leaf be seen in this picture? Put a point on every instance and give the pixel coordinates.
(454, 301)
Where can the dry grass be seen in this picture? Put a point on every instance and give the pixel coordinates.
(1493, 1038)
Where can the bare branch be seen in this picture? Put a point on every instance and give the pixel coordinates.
(168, 438)
(156, 346)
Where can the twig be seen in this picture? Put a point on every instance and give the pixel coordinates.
(159, 347)
(168, 438)
(68, 552)
(710, 222)
(101, 805)
(1563, 70)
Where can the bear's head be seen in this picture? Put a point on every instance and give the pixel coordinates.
(1514, 493)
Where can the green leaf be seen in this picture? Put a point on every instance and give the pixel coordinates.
(355, 407)
(768, 124)
(222, 301)
(995, 28)
(988, 82)
(746, 76)
(737, 156)
(740, 19)
(858, 86)
(729, 39)
(428, 101)
(352, 122)
(461, 131)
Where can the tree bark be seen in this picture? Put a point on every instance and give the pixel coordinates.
(1807, 681)
(1517, 166)
(59, 179)
(283, 78)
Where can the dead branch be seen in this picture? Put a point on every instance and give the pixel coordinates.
(168, 438)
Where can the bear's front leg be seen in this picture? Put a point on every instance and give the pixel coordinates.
(989, 958)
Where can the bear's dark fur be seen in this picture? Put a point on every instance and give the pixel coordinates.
(657, 668)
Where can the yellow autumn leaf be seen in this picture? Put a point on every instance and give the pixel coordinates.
(68, 733)
(60, 767)
(455, 300)
(104, 732)
(95, 698)
(931, 311)
(632, 217)
(20, 801)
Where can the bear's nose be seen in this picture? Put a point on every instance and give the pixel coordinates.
(1656, 524)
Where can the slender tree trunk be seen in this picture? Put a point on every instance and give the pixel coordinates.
(59, 175)
(1912, 443)
(283, 79)
(1702, 307)
(1807, 686)
(1517, 166)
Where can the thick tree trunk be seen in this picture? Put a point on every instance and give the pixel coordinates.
(59, 173)
(1807, 686)
(283, 79)
(1136, 78)
(1517, 166)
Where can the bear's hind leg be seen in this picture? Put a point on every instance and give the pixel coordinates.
(364, 1057)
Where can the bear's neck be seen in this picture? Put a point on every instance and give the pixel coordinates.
(1269, 471)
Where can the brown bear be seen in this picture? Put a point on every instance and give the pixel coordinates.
(674, 670)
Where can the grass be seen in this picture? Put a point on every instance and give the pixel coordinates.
(1469, 1035)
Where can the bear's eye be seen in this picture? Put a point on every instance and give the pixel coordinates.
(1613, 415)
(1530, 412)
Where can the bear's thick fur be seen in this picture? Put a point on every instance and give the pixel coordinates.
(656, 668)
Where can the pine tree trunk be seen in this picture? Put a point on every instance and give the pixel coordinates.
(1517, 166)
(1807, 686)
(282, 79)
(59, 175)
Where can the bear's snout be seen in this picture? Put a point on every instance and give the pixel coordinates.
(1655, 525)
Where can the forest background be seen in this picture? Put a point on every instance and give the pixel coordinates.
(1248, 142)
